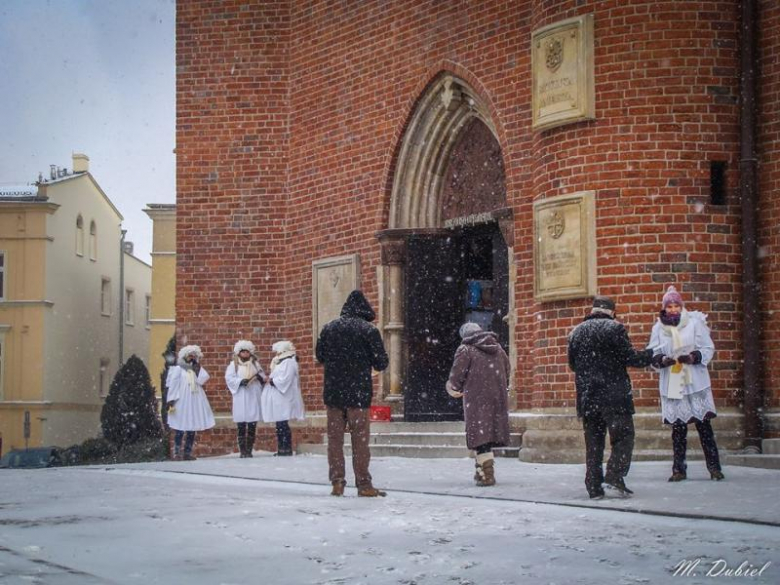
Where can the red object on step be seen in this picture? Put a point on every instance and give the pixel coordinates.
(379, 413)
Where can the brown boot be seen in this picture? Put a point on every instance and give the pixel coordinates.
(338, 488)
(488, 476)
(369, 491)
(678, 476)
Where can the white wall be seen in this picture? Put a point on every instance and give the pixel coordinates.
(77, 334)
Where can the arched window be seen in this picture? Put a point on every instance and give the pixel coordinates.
(80, 235)
(92, 240)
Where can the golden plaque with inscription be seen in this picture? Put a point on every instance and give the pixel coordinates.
(562, 89)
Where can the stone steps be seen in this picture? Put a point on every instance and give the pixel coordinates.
(417, 440)
(769, 458)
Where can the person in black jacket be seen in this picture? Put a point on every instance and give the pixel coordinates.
(349, 347)
(599, 353)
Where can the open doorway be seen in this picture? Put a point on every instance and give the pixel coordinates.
(454, 277)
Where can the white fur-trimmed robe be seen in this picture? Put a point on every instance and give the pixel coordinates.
(246, 399)
(283, 400)
(192, 411)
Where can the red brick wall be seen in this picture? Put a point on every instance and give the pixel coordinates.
(232, 144)
(769, 192)
(666, 89)
(291, 114)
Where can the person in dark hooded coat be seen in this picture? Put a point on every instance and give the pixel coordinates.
(480, 375)
(599, 353)
(350, 347)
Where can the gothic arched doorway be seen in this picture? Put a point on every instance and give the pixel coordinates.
(445, 252)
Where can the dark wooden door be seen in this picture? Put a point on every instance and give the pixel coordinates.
(434, 313)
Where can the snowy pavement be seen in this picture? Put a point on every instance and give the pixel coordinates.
(227, 521)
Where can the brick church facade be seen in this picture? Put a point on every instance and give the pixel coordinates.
(309, 130)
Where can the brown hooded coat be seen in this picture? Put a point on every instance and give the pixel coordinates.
(481, 371)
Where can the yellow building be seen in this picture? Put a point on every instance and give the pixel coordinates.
(163, 309)
(62, 307)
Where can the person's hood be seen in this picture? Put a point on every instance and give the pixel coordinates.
(357, 306)
(484, 341)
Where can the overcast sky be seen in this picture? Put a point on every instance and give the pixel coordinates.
(98, 77)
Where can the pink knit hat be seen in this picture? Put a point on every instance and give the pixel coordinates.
(672, 296)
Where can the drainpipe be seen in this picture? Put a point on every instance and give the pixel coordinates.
(748, 190)
(122, 299)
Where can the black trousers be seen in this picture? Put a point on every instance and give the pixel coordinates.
(246, 437)
(283, 437)
(621, 440)
(708, 445)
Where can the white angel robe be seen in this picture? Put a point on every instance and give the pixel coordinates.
(192, 411)
(246, 399)
(283, 400)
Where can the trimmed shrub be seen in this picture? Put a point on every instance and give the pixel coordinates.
(129, 414)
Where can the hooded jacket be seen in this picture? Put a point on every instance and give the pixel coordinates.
(599, 353)
(349, 347)
(481, 371)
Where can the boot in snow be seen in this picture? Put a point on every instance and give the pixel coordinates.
(338, 488)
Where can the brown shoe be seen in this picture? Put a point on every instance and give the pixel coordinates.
(370, 491)
(678, 476)
(338, 488)
(188, 457)
(717, 475)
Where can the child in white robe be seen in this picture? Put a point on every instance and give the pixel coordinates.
(281, 399)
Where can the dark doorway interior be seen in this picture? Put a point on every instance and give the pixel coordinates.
(451, 278)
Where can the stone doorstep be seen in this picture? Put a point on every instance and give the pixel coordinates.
(645, 440)
(650, 420)
(578, 455)
(419, 451)
(764, 461)
(770, 446)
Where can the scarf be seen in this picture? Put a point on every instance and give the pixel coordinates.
(246, 369)
(673, 331)
(280, 358)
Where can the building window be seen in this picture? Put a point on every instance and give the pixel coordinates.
(92, 241)
(79, 236)
(2, 276)
(105, 296)
(103, 377)
(148, 310)
(129, 300)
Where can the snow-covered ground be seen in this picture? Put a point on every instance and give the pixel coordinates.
(271, 520)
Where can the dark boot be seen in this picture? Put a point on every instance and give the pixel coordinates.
(678, 476)
(488, 477)
(241, 432)
(251, 432)
(679, 447)
(717, 475)
(338, 488)
(618, 485)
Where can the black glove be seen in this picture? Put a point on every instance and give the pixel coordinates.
(693, 358)
(661, 361)
(685, 359)
(696, 357)
(243, 383)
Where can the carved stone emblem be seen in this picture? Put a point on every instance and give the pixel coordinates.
(334, 278)
(553, 50)
(556, 224)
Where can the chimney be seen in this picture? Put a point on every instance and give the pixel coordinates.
(53, 172)
(80, 163)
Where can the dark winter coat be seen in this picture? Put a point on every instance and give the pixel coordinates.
(349, 347)
(599, 353)
(481, 371)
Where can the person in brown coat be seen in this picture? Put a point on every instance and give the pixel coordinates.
(480, 375)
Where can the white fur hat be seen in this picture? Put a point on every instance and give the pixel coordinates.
(283, 346)
(468, 329)
(243, 344)
(188, 350)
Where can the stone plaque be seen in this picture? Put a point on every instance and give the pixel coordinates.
(332, 281)
(565, 247)
(562, 88)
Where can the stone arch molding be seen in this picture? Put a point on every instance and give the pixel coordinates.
(443, 111)
(447, 106)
